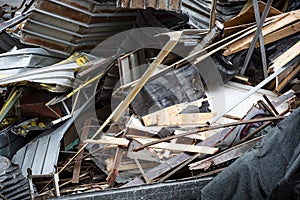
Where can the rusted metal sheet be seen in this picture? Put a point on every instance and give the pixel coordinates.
(68, 26)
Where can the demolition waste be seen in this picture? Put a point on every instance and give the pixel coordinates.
(140, 99)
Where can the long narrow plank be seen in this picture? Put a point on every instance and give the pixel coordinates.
(184, 119)
(285, 58)
(286, 18)
(287, 79)
(78, 160)
(177, 160)
(282, 33)
(179, 147)
(151, 119)
(109, 140)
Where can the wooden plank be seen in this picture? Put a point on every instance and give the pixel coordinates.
(176, 161)
(163, 5)
(184, 119)
(227, 155)
(282, 33)
(174, 5)
(247, 15)
(244, 43)
(135, 4)
(179, 147)
(151, 119)
(109, 140)
(151, 3)
(207, 129)
(285, 81)
(78, 160)
(125, 3)
(213, 8)
(285, 58)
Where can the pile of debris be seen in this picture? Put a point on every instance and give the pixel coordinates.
(101, 94)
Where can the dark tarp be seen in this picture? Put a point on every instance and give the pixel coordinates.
(271, 170)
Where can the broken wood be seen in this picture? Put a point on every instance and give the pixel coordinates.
(170, 116)
(78, 160)
(225, 156)
(178, 147)
(207, 129)
(109, 140)
(116, 114)
(244, 43)
(282, 33)
(178, 161)
(286, 80)
(285, 58)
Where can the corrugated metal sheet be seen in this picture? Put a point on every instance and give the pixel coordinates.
(68, 26)
(59, 76)
(198, 11)
(13, 185)
(18, 61)
(41, 154)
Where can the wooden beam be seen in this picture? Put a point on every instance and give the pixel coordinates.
(207, 129)
(282, 33)
(78, 160)
(225, 156)
(281, 21)
(285, 58)
(109, 140)
(179, 147)
(184, 119)
(152, 119)
(213, 14)
(286, 80)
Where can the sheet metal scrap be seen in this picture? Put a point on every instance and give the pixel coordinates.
(198, 11)
(24, 60)
(80, 25)
(41, 154)
(13, 185)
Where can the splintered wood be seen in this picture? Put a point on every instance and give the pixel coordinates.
(280, 22)
(171, 116)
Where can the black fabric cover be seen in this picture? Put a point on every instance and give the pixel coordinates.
(270, 171)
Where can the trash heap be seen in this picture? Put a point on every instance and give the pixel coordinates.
(111, 99)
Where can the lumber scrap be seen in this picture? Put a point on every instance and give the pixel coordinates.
(286, 80)
(177, 160)
(207, 129)
(285, 58)
(170, 116)
(78, 160)
(178, 147)
(247, 15)
(117, 113)
(281, 21)
(109, 140)
(227, 155)
(281, 33)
